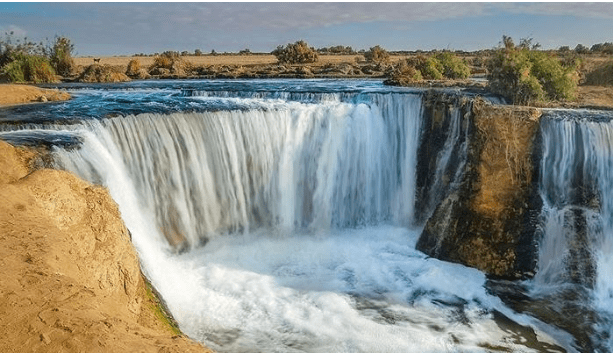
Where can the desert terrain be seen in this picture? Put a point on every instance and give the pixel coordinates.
(70, 279)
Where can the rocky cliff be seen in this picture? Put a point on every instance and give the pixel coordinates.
(485, 218)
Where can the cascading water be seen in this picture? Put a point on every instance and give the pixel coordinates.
(294, 214)
(576, 251)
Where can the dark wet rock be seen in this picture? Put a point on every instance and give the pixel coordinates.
(442, 150)
(484, 221)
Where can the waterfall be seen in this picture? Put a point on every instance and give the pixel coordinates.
(292, 167)
(279, 221)
(577, 190)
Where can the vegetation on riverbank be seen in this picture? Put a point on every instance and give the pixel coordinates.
(523, 74)
(23, 61)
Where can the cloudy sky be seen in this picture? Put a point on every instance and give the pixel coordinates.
(129, 28)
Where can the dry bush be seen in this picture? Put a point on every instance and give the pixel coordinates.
(133, 68)
(135, 71)
(296, 53)
(403, 74)
(377, 55)
(602, 75)
(170, 62)
(97, 73)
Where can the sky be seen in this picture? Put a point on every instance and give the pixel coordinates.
(104, 28)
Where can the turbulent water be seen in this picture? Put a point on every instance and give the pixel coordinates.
(279, 216)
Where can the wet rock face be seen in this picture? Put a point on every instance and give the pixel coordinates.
(442, 150)
(487, 217)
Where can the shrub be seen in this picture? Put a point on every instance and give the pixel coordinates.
(377, 55)
(133, 68)
(581, 49)
(452, 66)
(526, 76)
(429, 67)
(602, 75)
(605, 48)
(166, 59)
(97, 73)
(336, 50)
(171, 61)
(29, 68)
(60, 56)
(9, 47)
(296, 53)
(403, 74)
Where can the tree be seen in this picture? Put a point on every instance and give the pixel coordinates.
(60, 56)
(198, 52)
(581, 49)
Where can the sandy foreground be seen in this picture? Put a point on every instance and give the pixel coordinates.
(70, 279)
(11, 94)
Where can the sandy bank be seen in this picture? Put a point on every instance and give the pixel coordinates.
(11, 94)
(70, 279)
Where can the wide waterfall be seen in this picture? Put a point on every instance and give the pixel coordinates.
(282, 215)
(282, 166)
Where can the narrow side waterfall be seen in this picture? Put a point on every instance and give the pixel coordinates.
(576, 250)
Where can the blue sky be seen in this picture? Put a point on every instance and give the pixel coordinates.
(129, 28)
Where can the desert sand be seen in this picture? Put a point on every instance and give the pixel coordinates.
(11, 94)
(70, 279)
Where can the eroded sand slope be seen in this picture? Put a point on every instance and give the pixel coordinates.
(70, 279)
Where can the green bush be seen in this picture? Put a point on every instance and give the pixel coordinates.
(452, 66)
(25, 61)
(60, 56)
(527, 76)
(429, 67)
(10, 46)
(296, 53)
(29, 68)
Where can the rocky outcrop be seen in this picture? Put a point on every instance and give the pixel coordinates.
(487, 217)
(70, 279)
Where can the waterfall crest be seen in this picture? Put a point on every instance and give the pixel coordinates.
(289, 167)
